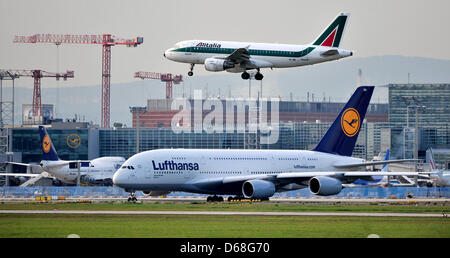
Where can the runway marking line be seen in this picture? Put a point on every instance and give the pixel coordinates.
(225, 213)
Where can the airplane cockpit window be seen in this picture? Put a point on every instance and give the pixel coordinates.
(127, 167)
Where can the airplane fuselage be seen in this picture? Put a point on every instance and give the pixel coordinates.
(180, 169)
(99, 169)
(262, 55)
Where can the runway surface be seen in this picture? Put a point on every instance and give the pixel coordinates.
(222, 213)
(442, 201)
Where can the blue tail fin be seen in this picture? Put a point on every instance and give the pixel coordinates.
(385, 166)
(48, 150)
(341, 137)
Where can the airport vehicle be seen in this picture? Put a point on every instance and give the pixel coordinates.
(440, 177)
(258, 174)
(98, 171)
(238, 57)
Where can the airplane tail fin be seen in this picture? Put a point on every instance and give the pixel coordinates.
(341, 137)
(385, 166)
(48, 150)
(332, 35)
(432, 163)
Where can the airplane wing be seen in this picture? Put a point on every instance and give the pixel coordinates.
(22, 164)
(239, 55)
(291, 177)
(372, 163)
(19, 174)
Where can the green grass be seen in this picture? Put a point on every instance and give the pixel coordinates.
(113, 226)
(207, 226)
(203, 206)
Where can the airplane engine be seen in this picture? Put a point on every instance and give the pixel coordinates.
(258, 189)
(156, 193)
(322, 185)
(217, 65)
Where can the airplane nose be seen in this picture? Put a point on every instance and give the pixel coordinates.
(120, 178)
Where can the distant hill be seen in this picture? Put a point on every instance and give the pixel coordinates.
(333, 81)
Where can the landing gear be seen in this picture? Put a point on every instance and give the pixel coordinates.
(214, 198)
(132, 198)
(190, 73)
(246, 76)
(258, 76)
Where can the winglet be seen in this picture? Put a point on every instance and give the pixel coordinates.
(48, 150)
(332, 35)
(341, 137)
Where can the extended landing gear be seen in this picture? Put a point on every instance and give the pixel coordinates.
(132, 198)
(258, 76)
(190, 73)
(245, 75)
(214, 198)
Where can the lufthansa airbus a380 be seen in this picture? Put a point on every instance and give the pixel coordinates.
(258, 174)
(98, 171)
(238, 57)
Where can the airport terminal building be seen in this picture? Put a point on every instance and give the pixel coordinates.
(301, 126)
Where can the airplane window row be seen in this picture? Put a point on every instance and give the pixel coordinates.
(287, 158)
(168, 172)
(231, 158)
(220, 172)
(251, 52)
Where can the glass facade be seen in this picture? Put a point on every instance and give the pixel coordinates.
(70, 144)
(430, 104)
(292, 136)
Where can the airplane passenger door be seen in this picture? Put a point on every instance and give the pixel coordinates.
(148, 172)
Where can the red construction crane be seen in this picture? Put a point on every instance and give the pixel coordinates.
(37, 75)
(164, 77)
(106, 40)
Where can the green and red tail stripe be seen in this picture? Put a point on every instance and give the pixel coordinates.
(332, 36)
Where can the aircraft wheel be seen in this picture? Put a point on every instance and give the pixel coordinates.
(190, 73)
(259, 76)
(245, 75)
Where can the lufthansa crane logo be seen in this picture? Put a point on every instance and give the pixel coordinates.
(73, 141)
(46, 144)
(350, 122)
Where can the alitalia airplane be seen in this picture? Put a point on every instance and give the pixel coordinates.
(259, 174)
(98, 171)
(238, 57)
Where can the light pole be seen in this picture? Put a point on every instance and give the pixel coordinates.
(138, 111)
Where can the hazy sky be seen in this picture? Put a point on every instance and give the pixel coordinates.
(382, 27)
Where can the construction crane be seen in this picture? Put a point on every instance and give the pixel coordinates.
(106, 40)
(169, 78)
(37, 75)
